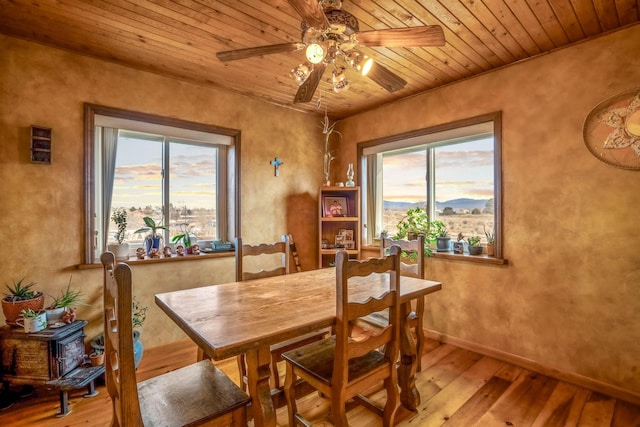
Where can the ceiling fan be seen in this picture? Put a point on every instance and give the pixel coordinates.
(330, 36)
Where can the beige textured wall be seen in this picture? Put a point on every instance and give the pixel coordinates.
(570, 296)
(41, 206)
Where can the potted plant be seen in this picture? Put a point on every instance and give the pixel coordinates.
(32, 320)
(96, 358)
(491, 241)
(475, 248)
(138, 316)
(186, 237)
(152, 240)
(21, 297)
(442, 239)
(415, 222)
(65, 300)
(121, 248)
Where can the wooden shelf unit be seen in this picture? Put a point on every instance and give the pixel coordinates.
(40, 145)
(330, 226)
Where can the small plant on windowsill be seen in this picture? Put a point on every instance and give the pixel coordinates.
(474, 245)
(187, 238)
(442, 239)
(121, 248)
(415, 222)
(491, 242)
(152, 240)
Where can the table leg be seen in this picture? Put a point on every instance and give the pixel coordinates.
(409, 395)
(258, 373)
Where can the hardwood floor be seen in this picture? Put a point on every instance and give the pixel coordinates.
(457, 387)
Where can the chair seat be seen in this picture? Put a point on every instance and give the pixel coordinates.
(317, 359)
(195, 393)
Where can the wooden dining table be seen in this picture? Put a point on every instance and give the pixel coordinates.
(248, 317)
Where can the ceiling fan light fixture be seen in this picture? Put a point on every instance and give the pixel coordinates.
(339, 80)
(315, 53)
(358, 61)
(366, 67)
(301, 73)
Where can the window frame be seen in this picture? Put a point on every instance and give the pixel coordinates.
(229, 204)
(496, 119)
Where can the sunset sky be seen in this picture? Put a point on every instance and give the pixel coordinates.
(462, 171)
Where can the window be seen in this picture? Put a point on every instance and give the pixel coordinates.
(179, 173)
(453, 171)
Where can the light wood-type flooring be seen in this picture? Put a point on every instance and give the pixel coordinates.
(457, 387)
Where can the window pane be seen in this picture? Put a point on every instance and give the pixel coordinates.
(404, 185)
(193, 191)
(464, 187)
(137, 182)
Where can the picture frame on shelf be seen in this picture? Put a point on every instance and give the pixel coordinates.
(340, 240)
(349, 244)
(334, 206)
(347, 233)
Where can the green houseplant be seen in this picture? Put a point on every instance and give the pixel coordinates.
(474, 245)
(415, 222)
(65, 300)
(152, 240)
(186, 237)
(21, 297)
(138, 317)
(121, 248)
(491, 241)
(442, 239)
(32, 320)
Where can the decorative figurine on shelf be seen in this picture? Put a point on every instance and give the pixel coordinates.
(140, 252)
(154, 253)
(180, 250)
(167, 251)
(350, 174)
(195, 249)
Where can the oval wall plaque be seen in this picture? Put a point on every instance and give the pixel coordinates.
(612, 130)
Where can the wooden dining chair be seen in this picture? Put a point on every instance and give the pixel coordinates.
(190, 396)
(341, 367)
(411, 265)
(244, 251)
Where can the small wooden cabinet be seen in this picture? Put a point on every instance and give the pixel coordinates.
(339, 223)
(40, 144)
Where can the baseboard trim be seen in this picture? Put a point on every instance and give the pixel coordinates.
(576, 379)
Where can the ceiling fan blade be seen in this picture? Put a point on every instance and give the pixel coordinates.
(311, 13)
(308, 88)
(385, 78)
(430, 35)
(232, 55)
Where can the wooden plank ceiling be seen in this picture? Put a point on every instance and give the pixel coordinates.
(179, 39)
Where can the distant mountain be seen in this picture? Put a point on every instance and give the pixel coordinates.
(455, 204)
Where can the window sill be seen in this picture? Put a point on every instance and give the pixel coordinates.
(480, 259)
(174, 258)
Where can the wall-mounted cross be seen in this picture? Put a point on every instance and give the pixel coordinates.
(276, 164)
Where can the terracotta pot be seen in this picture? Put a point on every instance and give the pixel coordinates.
(491, 249)
(96, 359)
(12, 309)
